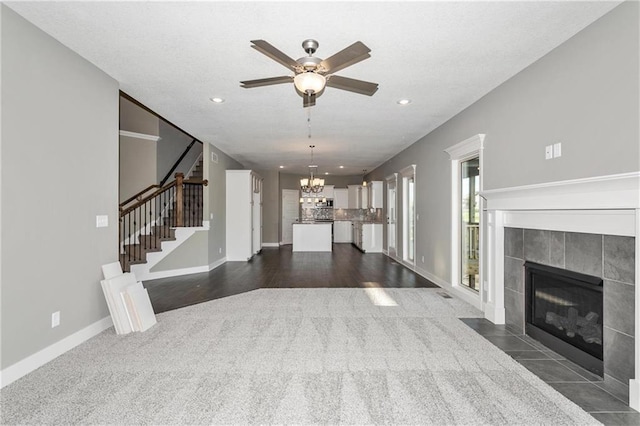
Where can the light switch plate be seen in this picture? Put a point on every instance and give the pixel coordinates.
(557, 150)
(548, 152)
(55, 319)
(102, 221)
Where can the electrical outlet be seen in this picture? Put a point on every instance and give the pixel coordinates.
(211, 216)
(422, 259)
(220, 250)
(548, 152)
(55, 319)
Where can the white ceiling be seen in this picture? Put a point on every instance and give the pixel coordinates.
(174, 56)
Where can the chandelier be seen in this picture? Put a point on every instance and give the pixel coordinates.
(312, 184)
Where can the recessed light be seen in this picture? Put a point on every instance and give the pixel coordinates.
(216, 100)
(282, 167)
(342, 167)
(326, 173)
(404, 101)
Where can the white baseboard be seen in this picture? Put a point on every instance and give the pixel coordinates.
(217, 263)
(634, 394)
(40, 358)
(472, 299)
(270, 244)
(173, 273)
(496, 316)
(182, 271)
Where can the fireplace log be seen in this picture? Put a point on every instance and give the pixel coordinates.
(590, 319)
(591, 333)
(572, 322)
(586, 326)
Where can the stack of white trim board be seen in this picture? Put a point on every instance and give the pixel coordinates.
(127, 299)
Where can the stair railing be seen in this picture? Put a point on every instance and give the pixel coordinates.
(175, 165)
(149, 220)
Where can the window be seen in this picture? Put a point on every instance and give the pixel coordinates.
(409, 214)
(470, 223)
(466, 213)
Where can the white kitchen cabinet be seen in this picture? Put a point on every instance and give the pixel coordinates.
(328, 191)
(375, 190)
(342, 231)
(368, 237)
(364, 197)
(340, 198)
(372, 237)
(243, 214)
(354, 198)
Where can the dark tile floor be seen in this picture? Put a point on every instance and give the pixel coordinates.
(579, 385)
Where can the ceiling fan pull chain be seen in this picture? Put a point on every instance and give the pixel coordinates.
(309, 121)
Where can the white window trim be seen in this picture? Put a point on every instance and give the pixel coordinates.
(392, 178)
(458, 153)
(409, 171)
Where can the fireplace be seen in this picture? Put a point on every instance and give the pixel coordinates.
(564, 311)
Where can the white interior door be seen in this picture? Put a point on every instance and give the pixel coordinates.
(290, 200)
(257, 222)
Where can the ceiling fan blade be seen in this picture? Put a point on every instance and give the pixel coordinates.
(348, 56)
(352, 85)
(308, 100)
(267, 49)
(266, 81)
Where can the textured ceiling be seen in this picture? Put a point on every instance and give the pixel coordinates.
(174, 56)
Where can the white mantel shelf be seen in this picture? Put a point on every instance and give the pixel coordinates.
(621, 191)
(608, 205)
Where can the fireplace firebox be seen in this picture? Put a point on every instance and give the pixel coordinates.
(564, 312)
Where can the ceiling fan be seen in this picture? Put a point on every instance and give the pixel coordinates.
(312, 74)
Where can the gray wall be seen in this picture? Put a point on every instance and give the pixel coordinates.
(171, 145)
(57, 108)
(215, 199)
(136, 119)
(583, 94)
(190, 254)
(137, 165)
(270, 206)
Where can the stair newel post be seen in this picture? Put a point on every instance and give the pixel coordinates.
(179, 200)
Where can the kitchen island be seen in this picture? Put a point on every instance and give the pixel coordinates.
(312, 236)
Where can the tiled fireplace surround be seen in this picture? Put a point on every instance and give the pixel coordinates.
(585, 225)
(610, 257)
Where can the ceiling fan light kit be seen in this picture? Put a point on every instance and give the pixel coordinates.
(309, 82)
(312, 74)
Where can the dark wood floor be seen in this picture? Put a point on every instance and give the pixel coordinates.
(279, 267)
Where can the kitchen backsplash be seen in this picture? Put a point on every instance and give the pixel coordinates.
(328, 213)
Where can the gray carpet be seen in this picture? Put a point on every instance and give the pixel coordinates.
(303, 356)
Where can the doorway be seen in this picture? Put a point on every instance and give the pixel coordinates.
(290, 214)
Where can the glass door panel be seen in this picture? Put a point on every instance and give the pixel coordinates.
(470, 223)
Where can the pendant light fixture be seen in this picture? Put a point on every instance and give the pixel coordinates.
(312, 184)
(364, 172)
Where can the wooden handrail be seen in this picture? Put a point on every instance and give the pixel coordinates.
(204, 182)
(133, 197)
(147, 198)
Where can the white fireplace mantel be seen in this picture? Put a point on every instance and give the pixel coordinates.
(608, 205)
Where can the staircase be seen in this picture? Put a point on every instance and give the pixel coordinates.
(153, 219)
